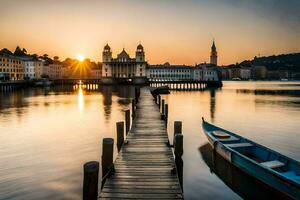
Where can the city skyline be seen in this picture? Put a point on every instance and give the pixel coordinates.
(180, 33)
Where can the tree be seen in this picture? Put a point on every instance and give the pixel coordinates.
(56, 58)
(6, 51)
(35, 56)
(19, 52)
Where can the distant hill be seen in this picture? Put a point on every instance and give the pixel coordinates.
(277, 62)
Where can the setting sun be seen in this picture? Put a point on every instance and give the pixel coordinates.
(80, 57)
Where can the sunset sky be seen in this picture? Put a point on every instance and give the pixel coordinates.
(180, 32)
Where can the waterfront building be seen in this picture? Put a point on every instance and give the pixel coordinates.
(32, 68)
(239, 72)
(206, 72)
(55, 70)
(245, 73)
(38, 68)
(12, 65)
(213, 55)
(96, 71)
(29, 72)
(224, 72)
(123, 66)
(201, 72)
(169, 72)
(259, 72)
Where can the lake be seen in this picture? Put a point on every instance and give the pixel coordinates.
(47, 134)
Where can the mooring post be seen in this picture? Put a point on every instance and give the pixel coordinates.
(120, 134)
(166, 113)
(137, 94)
(159, 102)
(163, 106)
(90, 180)
(127, 120)
(133, 108)
(107, 155)
(177, 127)
(178, 146)
(177, 130)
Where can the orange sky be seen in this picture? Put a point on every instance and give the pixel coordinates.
(179, 32)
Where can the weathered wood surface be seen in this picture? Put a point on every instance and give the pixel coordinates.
(143, 166)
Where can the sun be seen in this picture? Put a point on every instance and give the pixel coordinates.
(80, 57)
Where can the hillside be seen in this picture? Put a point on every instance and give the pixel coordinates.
(285, 61)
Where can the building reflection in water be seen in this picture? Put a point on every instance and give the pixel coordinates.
(212, 93)
(243, 184)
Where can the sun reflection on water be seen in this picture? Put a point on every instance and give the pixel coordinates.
(80, 98)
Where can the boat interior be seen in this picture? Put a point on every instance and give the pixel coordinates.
(264, 156)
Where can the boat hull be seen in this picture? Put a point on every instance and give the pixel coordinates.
(252, 168)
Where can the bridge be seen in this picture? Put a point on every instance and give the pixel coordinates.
(91, 82)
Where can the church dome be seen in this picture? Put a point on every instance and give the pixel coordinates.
(123, 55)
(107, 47)
(140, 47)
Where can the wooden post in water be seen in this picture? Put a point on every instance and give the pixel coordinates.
(120, 134)
(177, 127)
(137, 94)
(159, 102)
(133, 108)
(107, 155)
(166, 113)
(90, 180)
(178, 146)
(163, 106)
(162, 115)
(127, 120)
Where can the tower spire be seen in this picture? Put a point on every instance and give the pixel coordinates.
(213, 54)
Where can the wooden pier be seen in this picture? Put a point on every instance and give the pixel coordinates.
(145, 166)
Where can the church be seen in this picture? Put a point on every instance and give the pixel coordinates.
(123, 67)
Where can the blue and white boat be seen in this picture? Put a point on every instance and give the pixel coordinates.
(274, 169)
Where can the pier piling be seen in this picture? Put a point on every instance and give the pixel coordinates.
(120, 134)
(178, 146)
(107, 155)
(127, 120)
(133, 108)
(166, 115)
(90, 180)
(177, 127)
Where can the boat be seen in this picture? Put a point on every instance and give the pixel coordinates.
(160, 90)
(270, 167)
(243, 184)
(43, 82)
(284, 79)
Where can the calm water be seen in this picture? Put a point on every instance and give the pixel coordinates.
(47, 134)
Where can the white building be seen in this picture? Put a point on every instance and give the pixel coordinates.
(209, 73)
(202, 72)
(123, 66)
(169, 72)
